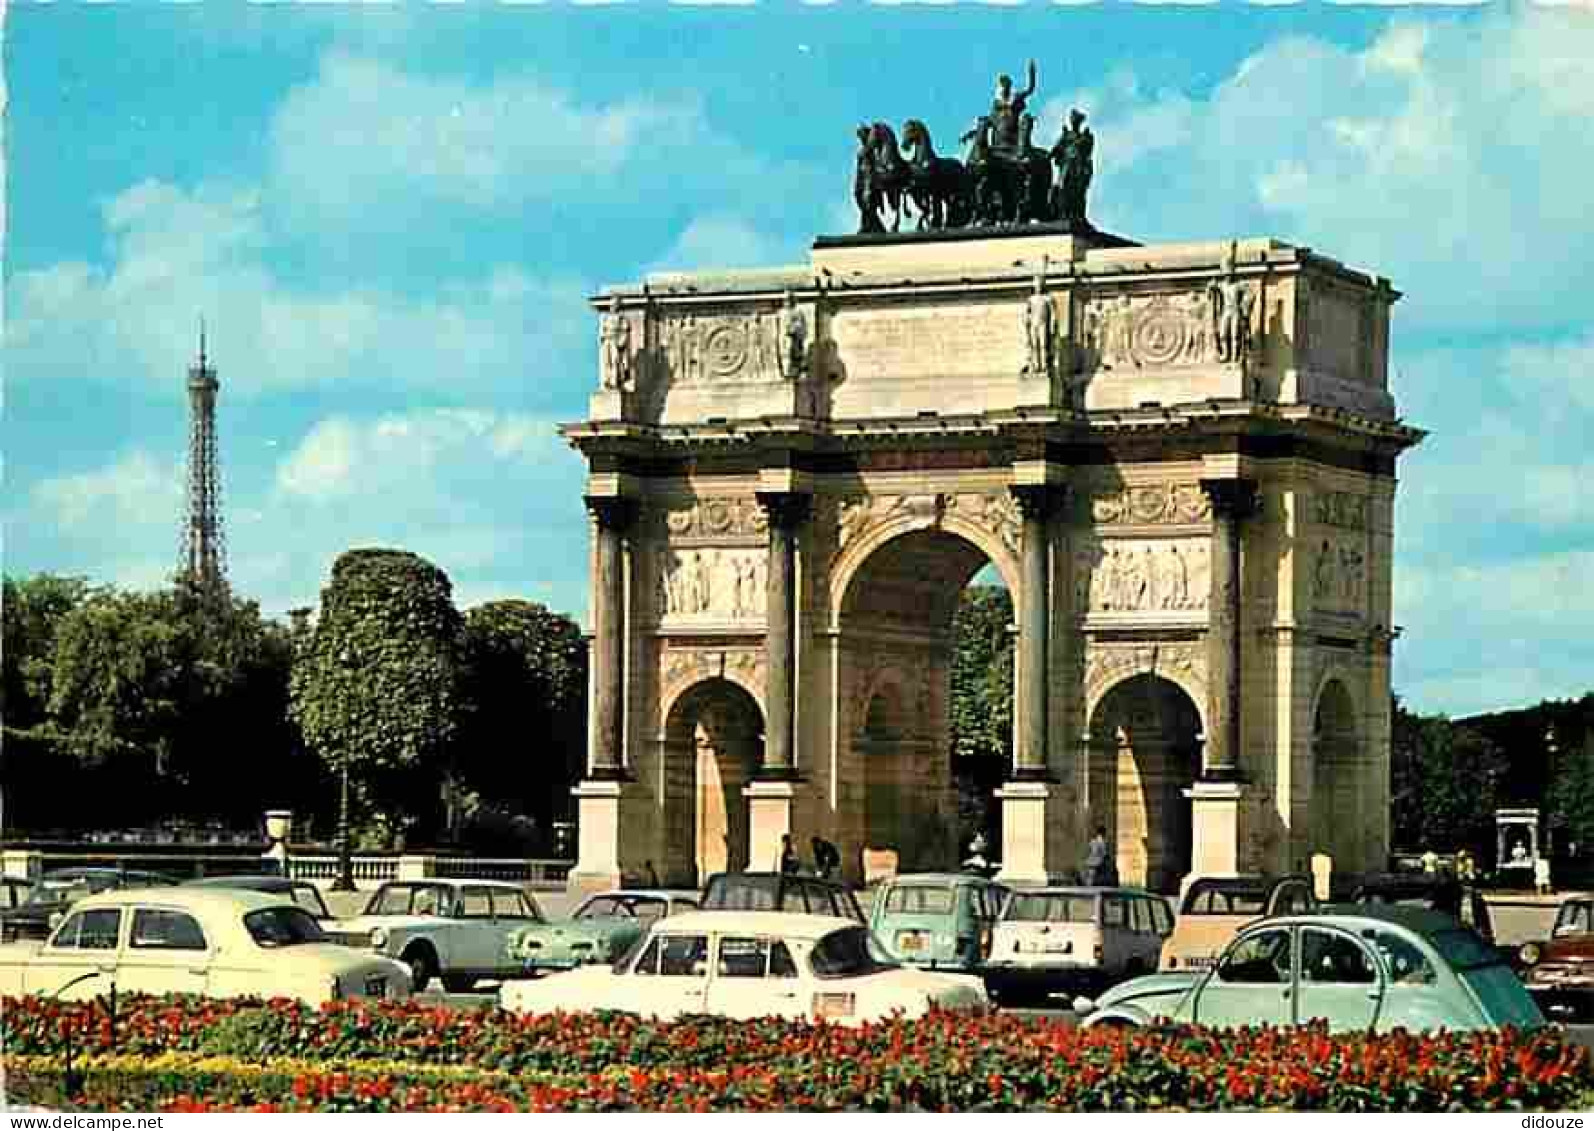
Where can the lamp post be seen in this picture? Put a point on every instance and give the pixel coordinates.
(345, 880)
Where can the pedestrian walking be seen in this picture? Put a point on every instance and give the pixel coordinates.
(789, 864)
(1096, 857)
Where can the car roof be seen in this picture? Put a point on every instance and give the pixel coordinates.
(1243, 883)
(452, 882)
(938, 878)
(187, 898)
(1418, 919)
(92, 872)
(789, 924)
(250, 883)
(649, 893)
(1085, 889)
(790, 877)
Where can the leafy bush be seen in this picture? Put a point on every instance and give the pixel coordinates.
(408, 1056)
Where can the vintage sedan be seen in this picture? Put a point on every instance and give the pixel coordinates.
(301, 893)
(1074, 938)
(751, 964)
(1377, 969)
(215, 942)
(1215, 908)
(1574, 918)
(1561, 970)
(456, 930)
(59, 889)
(602, 929)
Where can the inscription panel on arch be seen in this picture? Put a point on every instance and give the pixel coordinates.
(970, 340)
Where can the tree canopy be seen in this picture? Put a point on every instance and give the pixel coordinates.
(377, 684)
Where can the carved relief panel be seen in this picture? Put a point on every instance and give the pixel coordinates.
(1198, 327)
(1145, 576)
(717, 583)
(1338, 578)
(996, 512)
(729, 349)
(1107, 664)
(1152, 504)
(717, 519)
(1341, 509)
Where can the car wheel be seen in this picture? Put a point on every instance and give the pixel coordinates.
(422, 961)
(458, 983)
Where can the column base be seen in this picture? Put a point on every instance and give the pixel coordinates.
(1215, 827)
(769, 803)
(598, 837)
(1024, 805)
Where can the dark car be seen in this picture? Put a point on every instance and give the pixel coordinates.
(779, 891)
(1440, 893)
(59, 889)
(1560, 973)
(301, 892)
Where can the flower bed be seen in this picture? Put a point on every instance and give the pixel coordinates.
(187, 1054)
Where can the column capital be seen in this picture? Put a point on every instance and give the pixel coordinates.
(1039, 500)
(613, 512)
(785, 509)
(1231, 498)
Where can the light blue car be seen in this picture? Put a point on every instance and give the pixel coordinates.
(1368, 969)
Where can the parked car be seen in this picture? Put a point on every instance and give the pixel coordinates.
(1560, 971)
(213, 941)
(1215, 908)
(939, 920)
(1435, 892)
(780, 891)
(301, 893)
(60, 888)
(602, 929)
(1381, 968)
(753, 964)
(14, 891)
(1575, 917)
(455, 930)
(1074, 939)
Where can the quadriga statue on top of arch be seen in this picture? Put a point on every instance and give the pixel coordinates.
(1003, 179)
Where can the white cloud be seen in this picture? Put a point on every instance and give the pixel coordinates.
(1451, 155)
(177, 254)
(139, 490)
(729, 242)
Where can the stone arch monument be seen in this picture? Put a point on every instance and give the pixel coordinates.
(1187, 485)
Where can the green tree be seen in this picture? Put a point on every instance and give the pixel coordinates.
(1570, 799)
(33, 610)
(524, 743)
(981, 704)
(377, 684)
(156, 705)
(1445, 783)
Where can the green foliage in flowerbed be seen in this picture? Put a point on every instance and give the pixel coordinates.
(174, 1053)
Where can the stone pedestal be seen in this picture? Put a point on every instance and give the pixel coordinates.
(768, 819)
(1024, 805)
(598, 837)
(1215, 827)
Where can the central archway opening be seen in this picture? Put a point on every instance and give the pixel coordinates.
(904, 668)
(1145, 751)
(714, 744)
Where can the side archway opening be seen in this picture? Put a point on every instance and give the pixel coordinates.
(1335, 822)
(714, 744)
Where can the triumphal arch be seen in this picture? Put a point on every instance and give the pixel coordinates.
(1179, 458)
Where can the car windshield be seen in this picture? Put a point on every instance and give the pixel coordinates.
(1464, 950)
(741, 893)
(1036, 908)
(283, 926)
(848, 952)
(1204, 900)
(69, 889)
(917, 899)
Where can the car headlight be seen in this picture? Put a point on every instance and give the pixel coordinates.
(1530, 953)
(378, 937)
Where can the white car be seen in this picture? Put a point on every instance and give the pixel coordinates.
(751, 964)
(1074, 939)
(456, 930)
(211, 941)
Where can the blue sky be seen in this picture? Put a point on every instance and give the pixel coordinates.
(390, 217)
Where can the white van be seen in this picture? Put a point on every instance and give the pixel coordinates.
(1074, 939)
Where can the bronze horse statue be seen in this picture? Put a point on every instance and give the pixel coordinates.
(941, 188)
(1009, 187)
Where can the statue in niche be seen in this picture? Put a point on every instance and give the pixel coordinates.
(1116, 328)
(793, 351)
(615, 347)
(1146, 580)
(1230, 301)
(1039, 327)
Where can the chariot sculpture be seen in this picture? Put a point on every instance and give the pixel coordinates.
(1002, 180)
